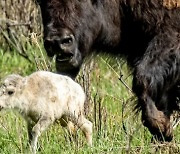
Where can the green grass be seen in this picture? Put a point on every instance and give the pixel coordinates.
(116, 127)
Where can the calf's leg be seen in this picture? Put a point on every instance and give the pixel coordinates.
(85, 125)
(39, 127)
(72, 129)
(64, 121)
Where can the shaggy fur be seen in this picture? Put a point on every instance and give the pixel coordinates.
(145, 32)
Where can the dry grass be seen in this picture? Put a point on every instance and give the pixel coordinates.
(18, 19)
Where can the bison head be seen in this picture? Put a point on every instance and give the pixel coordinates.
(62, 43)
(70, 26)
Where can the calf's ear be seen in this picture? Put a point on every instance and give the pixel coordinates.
(14, 80)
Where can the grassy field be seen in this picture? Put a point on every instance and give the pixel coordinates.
(117, 129)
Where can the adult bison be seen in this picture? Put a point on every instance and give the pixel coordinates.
(145, 32)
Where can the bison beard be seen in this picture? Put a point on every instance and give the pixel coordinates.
(145, 32)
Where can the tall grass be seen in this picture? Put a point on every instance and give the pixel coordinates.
(116, 127)
(18, 19)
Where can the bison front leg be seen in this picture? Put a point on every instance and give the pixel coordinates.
(157, 121)
(155, 111)
(154, 82)
(41, 125)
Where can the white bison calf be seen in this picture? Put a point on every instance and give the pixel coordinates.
(43, 98)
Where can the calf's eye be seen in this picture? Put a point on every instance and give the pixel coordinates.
(10, 92)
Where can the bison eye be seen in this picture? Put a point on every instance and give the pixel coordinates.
(67, 41)
(10, 92)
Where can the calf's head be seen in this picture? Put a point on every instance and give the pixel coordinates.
(70, 26)
(8, 91)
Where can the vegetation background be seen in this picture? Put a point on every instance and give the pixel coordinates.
(106, 81)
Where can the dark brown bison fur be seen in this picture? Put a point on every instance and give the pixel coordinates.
(145, 32)
(156, 80)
